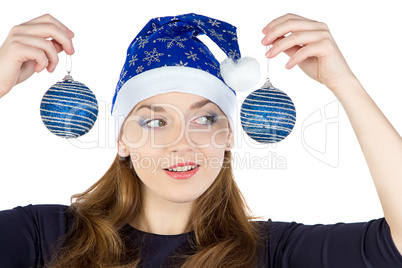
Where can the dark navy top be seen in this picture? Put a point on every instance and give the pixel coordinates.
(29, 234)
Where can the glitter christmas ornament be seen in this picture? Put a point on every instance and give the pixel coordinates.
(69, 109)
(268, 115)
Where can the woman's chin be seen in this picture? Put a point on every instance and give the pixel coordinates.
(181, 196)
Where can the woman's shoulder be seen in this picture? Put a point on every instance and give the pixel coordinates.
(39, 214)
(30, 233)
(280, 229)
(357, 243)
(46, 221)
(43, 208)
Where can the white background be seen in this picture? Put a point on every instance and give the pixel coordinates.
(325, 178)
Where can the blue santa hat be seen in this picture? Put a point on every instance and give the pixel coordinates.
(166, 56)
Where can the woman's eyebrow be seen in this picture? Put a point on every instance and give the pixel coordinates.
(160, 109)
(199, 104)
(150, 107)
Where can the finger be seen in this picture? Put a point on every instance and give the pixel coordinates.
(312, 50)
(42, 44)
(47, 18)
(57, 46)
(273, 43)
(298, 39)
(289, 51)
(46, 30)
(280, 20)
(26, 53)
(292, 26)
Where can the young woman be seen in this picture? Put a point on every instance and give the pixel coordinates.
(184, 209)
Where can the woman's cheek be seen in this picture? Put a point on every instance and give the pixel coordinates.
(219, 138)
(213, 136)
(133, 134)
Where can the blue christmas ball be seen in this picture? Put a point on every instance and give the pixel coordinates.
(69, 109)
(268, 115)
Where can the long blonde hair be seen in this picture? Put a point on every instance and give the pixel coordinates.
(224, 233)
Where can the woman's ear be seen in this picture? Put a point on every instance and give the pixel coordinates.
(230, 142)
(122, 149)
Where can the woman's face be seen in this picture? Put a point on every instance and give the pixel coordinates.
(176, 131)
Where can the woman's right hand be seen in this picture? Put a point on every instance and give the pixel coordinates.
(31, 47)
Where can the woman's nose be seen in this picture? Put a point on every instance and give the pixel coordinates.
(179, 138)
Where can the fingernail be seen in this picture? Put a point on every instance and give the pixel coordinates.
(71, 33)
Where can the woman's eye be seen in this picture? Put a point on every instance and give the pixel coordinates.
(154, 123)
(205, 120)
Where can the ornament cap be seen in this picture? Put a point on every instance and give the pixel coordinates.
(267, 84)
(68, 78)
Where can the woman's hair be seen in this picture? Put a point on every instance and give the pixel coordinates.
(224, 233)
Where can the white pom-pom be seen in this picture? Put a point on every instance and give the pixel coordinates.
(240, 75)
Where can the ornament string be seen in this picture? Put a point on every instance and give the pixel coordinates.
(69, 68)
(268, 81)
(69, 64)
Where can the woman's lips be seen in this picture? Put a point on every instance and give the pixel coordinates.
(181, 175)
(183, 165)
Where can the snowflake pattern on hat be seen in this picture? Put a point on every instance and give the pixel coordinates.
(172, 41)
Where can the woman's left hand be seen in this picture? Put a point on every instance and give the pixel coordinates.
(311, 46)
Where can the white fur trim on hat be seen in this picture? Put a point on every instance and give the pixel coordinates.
(242, 74)
(173, 79)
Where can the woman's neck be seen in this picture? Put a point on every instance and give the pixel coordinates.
(163, 217)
